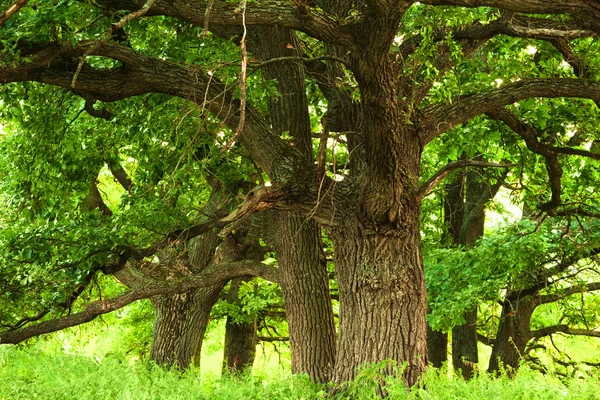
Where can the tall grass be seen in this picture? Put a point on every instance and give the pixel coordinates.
(33, 374)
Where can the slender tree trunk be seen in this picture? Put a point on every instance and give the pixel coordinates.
(305, 286)
(437, 347)
(476, 194)
(303, 274)
(514, 332)
(240, 338)
(465, 355)
(437, 341)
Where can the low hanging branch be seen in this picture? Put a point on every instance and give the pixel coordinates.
(426, 188)
(550, 330)
(217, 273)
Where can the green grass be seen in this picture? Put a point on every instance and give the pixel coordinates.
(34, 374)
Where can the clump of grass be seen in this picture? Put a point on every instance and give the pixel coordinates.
(28, 374)
(37, 375)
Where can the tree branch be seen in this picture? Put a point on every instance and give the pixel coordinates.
(12, 10)
(215, 274)
(145, 74)
(529, 134)
(550, 330)
(485, 340)
(286, 14)
(551, 298)
(426, 188)
(119, 173)
(587, 11)
(438, 119)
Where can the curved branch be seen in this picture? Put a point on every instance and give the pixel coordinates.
(550, 330)
(528, 6)
(214, 275)
(426, 188)
(145, 74)
(440, 118)
(529, 134)
(585, 13)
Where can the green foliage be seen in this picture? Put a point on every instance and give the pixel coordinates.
(33, 375)
(513, 259)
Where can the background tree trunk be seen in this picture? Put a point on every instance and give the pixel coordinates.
(179, 326)
(437, 347)
(180, 320)
(240, 338)
(514, 332)
(465, 209)
(305, 286)
(465, 355)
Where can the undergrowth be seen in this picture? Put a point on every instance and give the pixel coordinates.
(34, 374)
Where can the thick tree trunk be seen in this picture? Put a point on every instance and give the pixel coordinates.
(305, 286)
(514, 332)
(240, 338)
(382, 300)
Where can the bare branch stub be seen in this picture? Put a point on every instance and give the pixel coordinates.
(259, 199)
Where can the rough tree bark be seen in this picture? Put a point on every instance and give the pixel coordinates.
(373, 212)
(181, 320)
(377, 241)
(297, 240)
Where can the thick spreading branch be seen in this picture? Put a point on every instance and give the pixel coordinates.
(440, 118)
(141, 74)
(472, 37)
(585, 12)
(212, 276)
(426, 188)
(116, 27)
(285, 14)
(576, 7)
